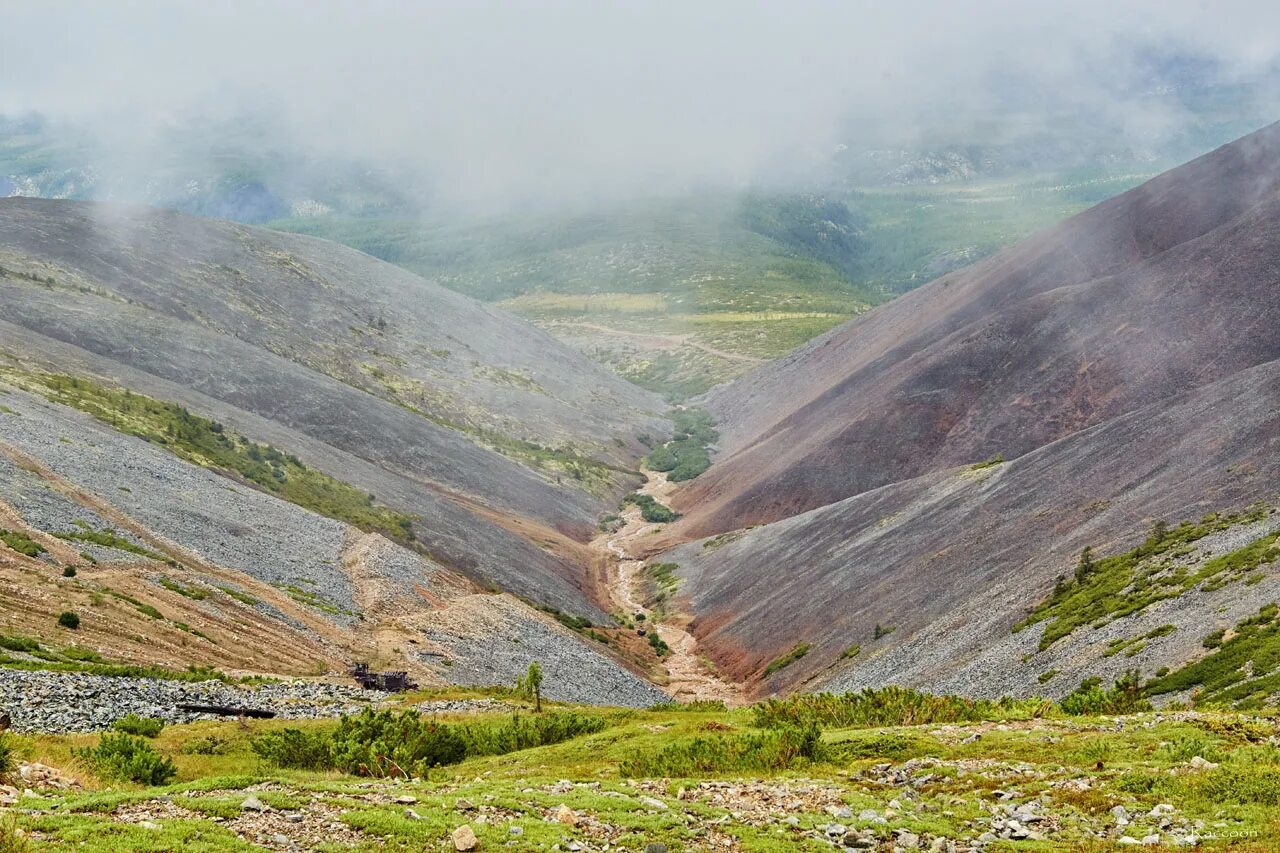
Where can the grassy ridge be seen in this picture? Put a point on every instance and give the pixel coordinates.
(207, 443)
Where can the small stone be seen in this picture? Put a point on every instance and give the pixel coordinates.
(406, 799)
(1121, 815)
(412, 815)
(515, 831)
(294, 817)
(150, 824)
(1125, 839)
(464, 838)
(1161, 809)
(1200, 763)
(566, 815)
(654, 803)
(655, 847)
(253, 804)
(840, 812)
(464, 805)
(835, 830)
(1152, 840)
(282, 840)
(908, 840)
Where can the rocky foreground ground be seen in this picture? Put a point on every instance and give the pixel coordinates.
(1167, 781)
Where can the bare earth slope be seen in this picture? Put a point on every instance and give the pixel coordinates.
(1170, 286)
(374, 376)
(1121, 369)
(198, 570)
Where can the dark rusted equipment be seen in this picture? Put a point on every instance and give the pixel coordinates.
(389, 682)
(228, 711)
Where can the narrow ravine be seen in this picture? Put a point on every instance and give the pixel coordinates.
(690, 678)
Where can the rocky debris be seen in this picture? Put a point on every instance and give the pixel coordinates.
(494, 644)
(56, 702)
(42, 776)
(565, 815)
(464, 706)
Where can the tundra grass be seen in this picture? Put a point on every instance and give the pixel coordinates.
(1075, 770)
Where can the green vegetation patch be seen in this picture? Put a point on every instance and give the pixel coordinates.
(1241, 671)
(798, 651)
(650, 509)
(686, 455)
(763, 752)
(107, 539)
(1124, 584)
(208, 443)
(386, 743)
(125, 758)
(21, 542)
(890, 706)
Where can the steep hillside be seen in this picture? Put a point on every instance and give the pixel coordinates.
(499, 443)
(890, 501)
(1170, 286)
(168, 565)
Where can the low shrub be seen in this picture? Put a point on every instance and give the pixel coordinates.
(132, 724)
(894, 745)
(1124, 697)
(300, 749)
(208, 745)
(762, 752)
(69, 619)
(386, 743)
(890, 706)
(122, 757)
(798, 651)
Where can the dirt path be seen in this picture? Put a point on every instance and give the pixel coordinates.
(667, 341)
(690, 678)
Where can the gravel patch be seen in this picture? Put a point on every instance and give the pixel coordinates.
(75, 702)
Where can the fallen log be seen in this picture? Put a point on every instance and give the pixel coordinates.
(227, 711)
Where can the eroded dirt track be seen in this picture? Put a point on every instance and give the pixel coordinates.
(690, 676)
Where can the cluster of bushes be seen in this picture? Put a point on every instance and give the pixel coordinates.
(651, 510)
(889, 706)
(685, 456)
(126, 758)
(760, 752)
(132, 724)
(386, 743)
(1124, 697)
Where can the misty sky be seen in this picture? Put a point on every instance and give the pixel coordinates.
(512, 100)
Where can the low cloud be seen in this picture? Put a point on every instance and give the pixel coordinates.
(487, 105)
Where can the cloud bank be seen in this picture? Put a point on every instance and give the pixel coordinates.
(492, 104)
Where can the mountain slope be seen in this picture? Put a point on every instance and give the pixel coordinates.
(1167, 287)
(171, 564)
(890, 501)
(364, 371)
